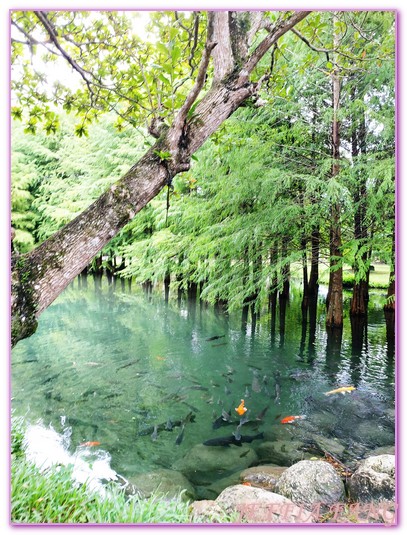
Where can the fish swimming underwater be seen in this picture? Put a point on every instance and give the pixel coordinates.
(256, 383)
(224, 419)
(90, 444)
(241, 409)
(154, 434)
(292, 419)
(215, 337)
(180, 437)
(232, 440)
(262, 414)
(341, 390)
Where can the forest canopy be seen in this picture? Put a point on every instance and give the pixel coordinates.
(302, 173)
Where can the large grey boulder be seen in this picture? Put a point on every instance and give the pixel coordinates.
(248, 505)
(254, 505)
(311, 482)
(374, 480)
(205, 464)
(166, 482)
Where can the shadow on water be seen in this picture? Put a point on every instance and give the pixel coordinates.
(111, 362)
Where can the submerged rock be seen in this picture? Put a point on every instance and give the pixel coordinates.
(281, 452)
(205, 464)
(374, 480)
(167, 482)
(375, 435)
(264, 476)
(311, 482)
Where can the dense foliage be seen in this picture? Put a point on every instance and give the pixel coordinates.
(260, 186)
(260, 195)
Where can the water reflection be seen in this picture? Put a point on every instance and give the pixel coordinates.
(113, 362)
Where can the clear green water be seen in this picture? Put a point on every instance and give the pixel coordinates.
(107, 363)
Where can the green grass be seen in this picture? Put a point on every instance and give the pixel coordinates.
(379, 278)
(52, 497)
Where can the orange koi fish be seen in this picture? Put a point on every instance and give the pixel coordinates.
(90, 444)
(241, 409)
(291, 419)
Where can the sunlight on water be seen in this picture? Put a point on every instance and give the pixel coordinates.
(107, 365)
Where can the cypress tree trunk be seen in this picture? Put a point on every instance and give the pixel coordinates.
(334, 315)
(305, 295)
(360, 297)
(313, 285)
(285, 271)
(167, 282)
(390, 306)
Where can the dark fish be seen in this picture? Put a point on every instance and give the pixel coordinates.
(49, 379)
(255, 367)
(261, 414)
(244, 453)
(227, 441)
(255, 383)
(168, 425)
(245, 418)
(193, 387)
(237, 434)
(180, 437)
(128, 364)
(278, 416)
(218, 345)
(215, 337)
(113, 395)
(214, 384)
(154, 434)
(192, 407)
(190, 417)
(223, 419)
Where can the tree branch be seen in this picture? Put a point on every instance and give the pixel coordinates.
(199, 82)
(54, 38)
(280, 29)
(311, 46)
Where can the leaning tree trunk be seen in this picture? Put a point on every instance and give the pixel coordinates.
(40, 276)
(334, 315)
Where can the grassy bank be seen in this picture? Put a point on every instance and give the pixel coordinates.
(378, 278)
(52, 497)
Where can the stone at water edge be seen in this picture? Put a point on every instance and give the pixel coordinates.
(163, 481)
(374, 480)
(281, 452)
(202, 465)
(258, 506)
(263, 476)
(311, 482)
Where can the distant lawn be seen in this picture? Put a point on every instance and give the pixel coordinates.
(379, 278)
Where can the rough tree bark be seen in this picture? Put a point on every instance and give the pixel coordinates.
(40, 276)
(334, 314)
(360, 296)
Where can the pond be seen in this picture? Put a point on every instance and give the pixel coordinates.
(109, 363)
